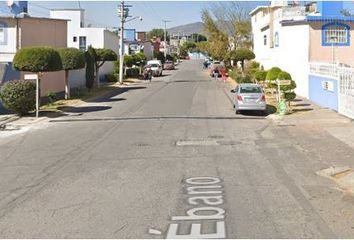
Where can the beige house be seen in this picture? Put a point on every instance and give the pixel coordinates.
(17, 33)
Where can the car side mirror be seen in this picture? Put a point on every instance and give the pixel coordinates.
(232, 90)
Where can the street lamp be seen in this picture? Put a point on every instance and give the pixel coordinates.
(123, 12)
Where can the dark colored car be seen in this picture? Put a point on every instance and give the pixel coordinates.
(169, 65)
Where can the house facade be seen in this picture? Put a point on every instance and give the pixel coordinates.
(79, 36)
(25, 31)
(299, 37)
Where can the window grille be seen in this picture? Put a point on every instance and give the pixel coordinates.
(335, 34)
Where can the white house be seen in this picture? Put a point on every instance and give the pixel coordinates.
(81, 37)
(312, 41)
(282, 45)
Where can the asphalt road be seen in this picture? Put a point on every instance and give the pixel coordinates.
(171, 159)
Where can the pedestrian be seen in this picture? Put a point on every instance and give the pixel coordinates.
(216, 73)
(223, 77)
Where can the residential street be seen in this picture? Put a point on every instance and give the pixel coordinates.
(128, 166)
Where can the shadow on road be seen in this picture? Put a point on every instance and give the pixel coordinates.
(109, 97)
(269, 110)
(84, 109)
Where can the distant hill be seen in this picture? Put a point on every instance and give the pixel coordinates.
(190, 28)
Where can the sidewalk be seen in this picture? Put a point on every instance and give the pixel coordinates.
(307, 113)
(10, 122)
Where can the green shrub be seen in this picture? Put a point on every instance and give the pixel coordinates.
(140, 58)
(19, 96)
(90, 56)
(132, 72)
(260, 75)
(243, 79)
(116, 67)
(37, 59)
(105, 55)
(111, 77)
(273, 73)
(128, 60)
(289, 96)
(52, 97)
(254, 65)
(72, 58)
(284, 76)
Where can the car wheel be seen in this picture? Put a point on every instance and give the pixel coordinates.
(237, 112)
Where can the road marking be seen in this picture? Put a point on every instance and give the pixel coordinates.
(154, 231)
(205, 195)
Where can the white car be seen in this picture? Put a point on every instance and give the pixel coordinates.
(156, 67)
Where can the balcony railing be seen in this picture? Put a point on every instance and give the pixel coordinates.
(294, 13)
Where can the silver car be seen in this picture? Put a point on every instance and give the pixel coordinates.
(249, 97)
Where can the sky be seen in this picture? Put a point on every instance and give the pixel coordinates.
(104, 13)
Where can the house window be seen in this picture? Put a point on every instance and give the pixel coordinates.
(265, 40)
(2, 34)
(276, 39)
(336, 34)
(74, 39)
(82, 43)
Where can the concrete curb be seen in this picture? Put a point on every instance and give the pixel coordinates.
(7, 120)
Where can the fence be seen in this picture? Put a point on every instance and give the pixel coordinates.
(345, 77)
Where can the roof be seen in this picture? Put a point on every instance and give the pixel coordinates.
(309, 19)
(68, 9)
(330, 19)
(38, 18)
(258, 9)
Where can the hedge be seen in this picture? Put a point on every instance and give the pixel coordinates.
(37, 59)
(19, 96)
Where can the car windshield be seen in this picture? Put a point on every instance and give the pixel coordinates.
(250, 89)
(154, 65)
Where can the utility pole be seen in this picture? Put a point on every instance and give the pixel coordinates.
(123, 12)
(165, 36)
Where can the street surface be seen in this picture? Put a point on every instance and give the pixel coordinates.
(171, 159)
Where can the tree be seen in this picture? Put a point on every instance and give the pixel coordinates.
(128, 60)
(159, 56)
(103, 55)
(71, 59)
(157, 32)
(196, 37)
(218, 41)
(37, 60)
(140, 57)
(90, 56)
(240, 55)
(234, 20)
(288, 90)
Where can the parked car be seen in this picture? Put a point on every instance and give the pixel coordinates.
(249, 97)
(169, 65)
(156, 67)
(154, 62)
(220, 67)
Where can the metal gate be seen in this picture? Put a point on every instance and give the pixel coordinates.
(346, 91)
